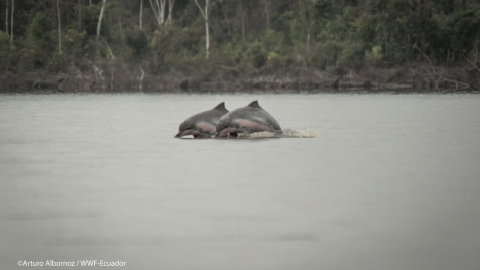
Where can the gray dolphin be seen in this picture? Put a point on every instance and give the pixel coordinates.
(249, 119)
(202, 124)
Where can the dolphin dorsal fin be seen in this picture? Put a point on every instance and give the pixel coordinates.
(221, 107)
(254, 104)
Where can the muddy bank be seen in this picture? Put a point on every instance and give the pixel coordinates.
(418, 78)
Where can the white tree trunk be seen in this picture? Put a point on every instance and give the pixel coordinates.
(11, 25)
(141, 8)
(162, 9)
(59, 31)
(140, 80)
(170, 9)
(110, 51)
(158, 7)
(111, 81)
(207, 31)
(205, 17)
(99, 24)
(6, 17)
(207, 41)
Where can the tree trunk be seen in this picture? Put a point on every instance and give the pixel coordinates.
(141, 8)
(205, 17)
(79, 26)
(11, 26)
(140, 80)
(170, 9)
(110, 51)
(100, 18)
(6, 17)
(207, 42)
(59, 30)
(158, 10)
(243, 25)
(308, 36)
(162, 11)
(111, 81)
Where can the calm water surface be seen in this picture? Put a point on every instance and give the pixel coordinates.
(392, 182)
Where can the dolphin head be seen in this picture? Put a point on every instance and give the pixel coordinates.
(202, 124)
(222, 124)
(225, 128)
(186, 128)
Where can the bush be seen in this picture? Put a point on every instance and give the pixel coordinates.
(41, 27)
(137, 41)
(57, 62)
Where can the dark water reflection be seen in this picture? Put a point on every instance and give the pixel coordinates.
(392, 182)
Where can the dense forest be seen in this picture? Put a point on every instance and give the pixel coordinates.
(232, 45)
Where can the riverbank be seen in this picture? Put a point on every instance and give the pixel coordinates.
(418, 78)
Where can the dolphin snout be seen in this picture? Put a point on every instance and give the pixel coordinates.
(187, 132)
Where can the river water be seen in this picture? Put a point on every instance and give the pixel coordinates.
(390, 182)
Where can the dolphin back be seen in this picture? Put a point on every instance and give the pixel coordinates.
(221, 107)
(251, 118)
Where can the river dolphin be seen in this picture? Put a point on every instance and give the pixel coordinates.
(249, 119)
(202, 124)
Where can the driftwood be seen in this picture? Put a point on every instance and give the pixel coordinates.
(437, 75)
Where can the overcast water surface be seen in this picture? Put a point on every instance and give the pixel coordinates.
(392, 182)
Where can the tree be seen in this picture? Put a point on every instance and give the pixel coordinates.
(11, 25)
(79, 26)
(261, 36)
(100, 18)
(59, 31)
(170, 9)
(6, 17)
(205, 17)
(158, 7)
(141, 10)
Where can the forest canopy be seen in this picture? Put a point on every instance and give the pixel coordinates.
(249, 36)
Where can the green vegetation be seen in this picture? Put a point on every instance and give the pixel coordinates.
(246, 36)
